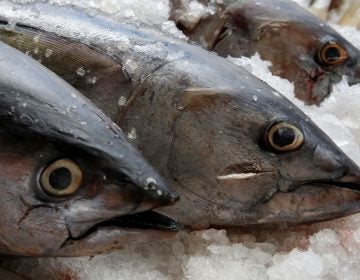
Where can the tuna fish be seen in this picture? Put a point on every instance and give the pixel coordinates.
(301, 47)
(237, 152)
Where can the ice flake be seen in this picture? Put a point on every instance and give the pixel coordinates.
(132, 134)
(48, 52)
(81, 72)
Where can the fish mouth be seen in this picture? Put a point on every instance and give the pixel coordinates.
(143, 220)
(346, 182)
(345, 185)
(311, 202)
(120, 203)
(118, 232)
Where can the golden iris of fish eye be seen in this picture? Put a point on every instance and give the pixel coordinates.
(332, 54)
(69, 167)
(296, 143)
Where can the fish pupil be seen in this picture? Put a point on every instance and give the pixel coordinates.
(60, 178)
(332, 54)
(284, 136)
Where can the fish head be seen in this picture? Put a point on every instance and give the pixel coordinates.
(71, 183)
(301, 47)
(247, 155)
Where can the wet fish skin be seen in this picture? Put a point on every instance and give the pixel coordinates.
(80, 65)
(281, 32)
(44, 120)
(201, 126)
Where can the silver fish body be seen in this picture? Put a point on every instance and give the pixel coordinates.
(237, 152)
(301, 47)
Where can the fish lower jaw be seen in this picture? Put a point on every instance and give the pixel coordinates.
(346, 185)
(285, 185)
(142, 220)
(118, 232)
(310, 202)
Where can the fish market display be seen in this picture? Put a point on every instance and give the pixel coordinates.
(67, 171)
(302, 48)
(236, 151)
(205, 254)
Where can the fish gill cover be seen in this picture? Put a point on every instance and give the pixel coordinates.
(329, 250)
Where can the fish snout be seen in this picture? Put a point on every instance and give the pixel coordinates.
(156, 193)
(352, 67)
(354, 75)
(329, 163)
(351, 177)
(342, 170)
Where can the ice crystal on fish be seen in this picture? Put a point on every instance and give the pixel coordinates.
(48, 52)
(122, 101)
(132, 134)
(81, 72)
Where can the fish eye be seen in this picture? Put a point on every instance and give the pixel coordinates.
(61, 178)
(284, 137)
(332, 54)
